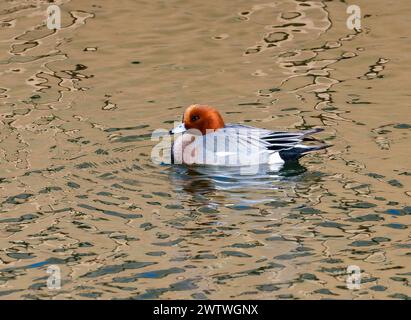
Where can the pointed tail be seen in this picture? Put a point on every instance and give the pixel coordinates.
(300, 150)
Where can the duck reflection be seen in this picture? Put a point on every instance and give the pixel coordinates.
(236, 184)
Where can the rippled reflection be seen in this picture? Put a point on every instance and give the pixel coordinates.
(78, 188)
(237, 184)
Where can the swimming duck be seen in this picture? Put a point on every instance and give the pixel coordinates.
(204, 138)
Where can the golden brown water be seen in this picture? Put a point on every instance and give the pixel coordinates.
(79, 190)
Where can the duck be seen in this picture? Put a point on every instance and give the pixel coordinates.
(203, 138)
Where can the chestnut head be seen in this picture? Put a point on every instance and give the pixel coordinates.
(201, 117)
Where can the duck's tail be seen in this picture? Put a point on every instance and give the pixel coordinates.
(300, 150)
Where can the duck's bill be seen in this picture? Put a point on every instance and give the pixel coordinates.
(179, 129)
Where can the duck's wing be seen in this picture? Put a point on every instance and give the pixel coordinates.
(236, 145)
(290, 145)
(283, 140)
(272, 140)
(243, 145)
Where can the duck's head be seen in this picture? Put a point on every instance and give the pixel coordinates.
(200, 117)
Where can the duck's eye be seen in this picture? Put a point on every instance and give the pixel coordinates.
(195, 118)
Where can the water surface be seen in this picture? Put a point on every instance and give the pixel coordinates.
(78, 188)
